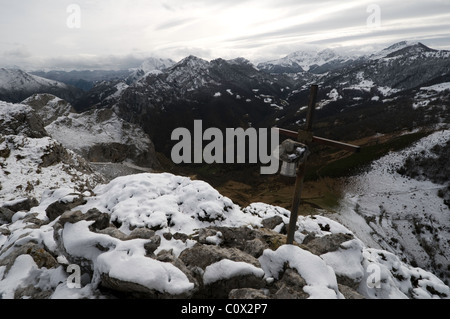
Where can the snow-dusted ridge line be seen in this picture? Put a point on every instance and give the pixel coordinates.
(14, 80)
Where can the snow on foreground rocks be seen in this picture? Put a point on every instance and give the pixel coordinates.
(166, 236)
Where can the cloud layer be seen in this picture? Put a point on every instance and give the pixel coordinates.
(118, 33)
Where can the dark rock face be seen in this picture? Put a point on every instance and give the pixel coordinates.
(58, 208)
(118, 153)
(22, 205)
(328, 243)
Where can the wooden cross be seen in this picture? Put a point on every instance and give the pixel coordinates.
(306, 137)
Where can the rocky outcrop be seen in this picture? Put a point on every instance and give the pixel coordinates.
(49, 107)
(100, 136)
(18, 119)
(202, 246)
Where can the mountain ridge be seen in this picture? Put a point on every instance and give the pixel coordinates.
(16, 85)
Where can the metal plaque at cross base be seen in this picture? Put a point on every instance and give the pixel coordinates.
(306, 137)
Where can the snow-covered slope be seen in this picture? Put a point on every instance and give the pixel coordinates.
(101, 136)
(156, 65)
(33, 166)
(391, 49)
(97, 135)
(400, 214)
(14, 79)
(149, 66)
(31, 163)
(394, 71)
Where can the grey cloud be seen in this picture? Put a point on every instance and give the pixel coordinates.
(401, 34)
(95, 62)
(19, 52)
(172, 24)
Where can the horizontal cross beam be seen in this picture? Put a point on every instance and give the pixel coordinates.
(323, 141)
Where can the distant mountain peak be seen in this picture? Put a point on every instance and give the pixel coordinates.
(191, 62)
(401, 45)
(156, 64)
(239, 60)
(16, 85)
(304, 60)
(410, 47)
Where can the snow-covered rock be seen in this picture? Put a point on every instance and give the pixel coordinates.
(31, 167)
(178, 258)
(48, 107)
(19, 119)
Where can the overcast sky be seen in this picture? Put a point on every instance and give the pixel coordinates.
(112, 34)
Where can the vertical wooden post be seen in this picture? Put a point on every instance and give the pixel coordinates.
(301, 169)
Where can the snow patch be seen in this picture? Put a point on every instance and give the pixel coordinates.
(226, 269)
(320, 278)
(437, 88)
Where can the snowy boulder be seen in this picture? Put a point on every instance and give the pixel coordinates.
(320, 279)
(252, 241)
(62, 205)
(100, 220)
(9, 208)
(149, 278)
(347, 262)
(202, 256)
(165, 203)
(121, 265)
(6, 215)
(272, 222)
(289, 286)
(327, 243)
(220, 270)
